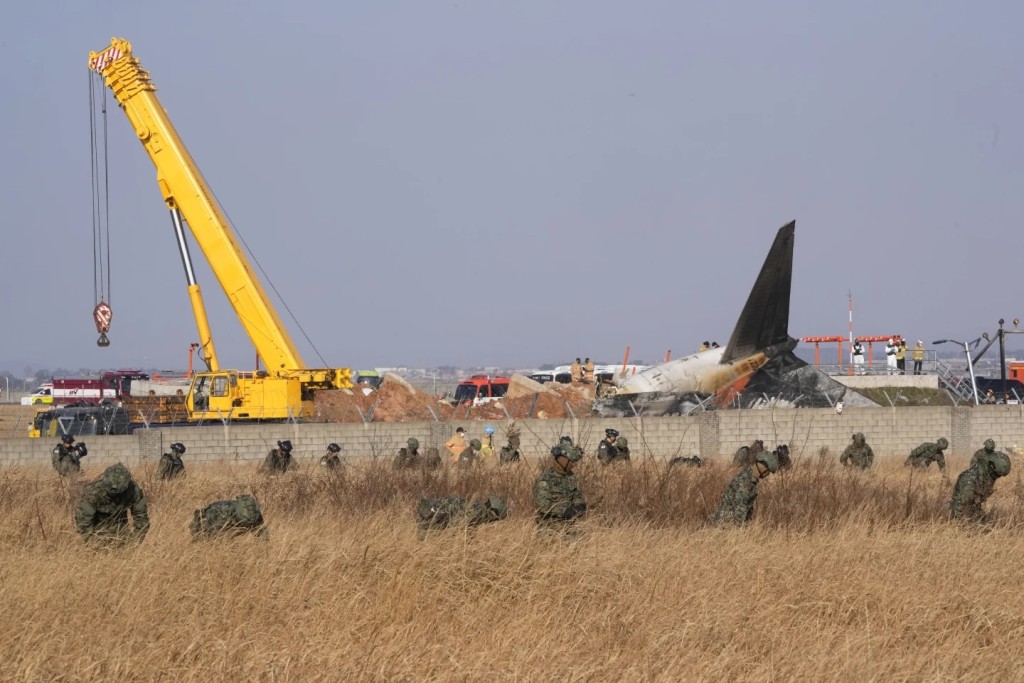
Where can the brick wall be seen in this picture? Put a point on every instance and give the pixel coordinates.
(892, 432)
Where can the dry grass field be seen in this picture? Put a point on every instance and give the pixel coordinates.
(842, 576)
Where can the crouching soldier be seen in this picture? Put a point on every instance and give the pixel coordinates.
(331, 460)
(229, 518)
(685, 461)
(607, 451)
(737, 503)
(510, 451)
(556, 493)
(441, 513)
(171, 465)
(858, 454)
(279, 460)
(407, 457)
(782, 453)
(471, 454)
(102, 512)
(924, 455)
(66, 456)
(431, 459)
(746, 455)
(987, 450)
(974, 486)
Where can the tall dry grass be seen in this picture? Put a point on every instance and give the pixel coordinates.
(842, 576)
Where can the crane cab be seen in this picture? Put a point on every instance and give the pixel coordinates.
(245, 396)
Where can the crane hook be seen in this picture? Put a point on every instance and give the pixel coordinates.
(101, 315)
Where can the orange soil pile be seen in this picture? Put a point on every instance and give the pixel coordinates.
(394, 402)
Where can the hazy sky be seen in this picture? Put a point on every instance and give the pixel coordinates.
(513, 183)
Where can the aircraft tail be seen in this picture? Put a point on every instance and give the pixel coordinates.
(764, 321)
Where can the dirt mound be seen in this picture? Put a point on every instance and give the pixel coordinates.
(398, 401)
(395, 401)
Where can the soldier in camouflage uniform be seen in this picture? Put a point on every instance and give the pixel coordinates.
(408, 457)
(858, 454)
(441, 513)
(556, 493)
(171, 465)
(331, 460)
(782, 453)
(432, 459)
(974, 486)
(279, 460)
(228, 517)
(923, 456)
(989, 448)
(510, 451)
(471, 454)
(747, 455)
(66, 456)
(102, 512)
(607, 451)
(737, 503)
(685, 461)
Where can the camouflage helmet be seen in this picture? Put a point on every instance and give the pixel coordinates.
(990, 445)
(565, 439)
(557, 451)
(574, 454)
(116, 479)
(942, 443)
(475, 444)
(623, 442)
(333, 448)
(499, 505)
(769, 460)
(247, 510)
(178, 447)
(67, 438)
(1000, 464)
(285, 446)
(413, 442)
(858, 437)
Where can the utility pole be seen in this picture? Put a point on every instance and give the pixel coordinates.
(849, 298)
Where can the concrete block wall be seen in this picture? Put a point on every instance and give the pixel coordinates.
(1004, 423)
(892, 432)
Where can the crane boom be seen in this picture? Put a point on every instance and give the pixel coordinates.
(285, 390)
(185, 190)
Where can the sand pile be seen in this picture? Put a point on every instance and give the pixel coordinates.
(395, 401)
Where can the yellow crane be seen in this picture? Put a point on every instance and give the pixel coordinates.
(285, 389)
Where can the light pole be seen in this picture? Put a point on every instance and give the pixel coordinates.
(970, 363)
(1002, 348)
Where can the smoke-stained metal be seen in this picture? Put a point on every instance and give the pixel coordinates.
(764, 321)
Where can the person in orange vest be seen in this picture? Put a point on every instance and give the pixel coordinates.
(576, 371)
(456, 444)
(588, 370)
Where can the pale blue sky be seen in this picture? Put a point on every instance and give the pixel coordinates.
(499, 183)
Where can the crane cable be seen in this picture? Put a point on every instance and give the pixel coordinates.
(270, 282)
(100, 213)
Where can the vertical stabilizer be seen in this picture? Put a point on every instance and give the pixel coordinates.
(764, 321)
